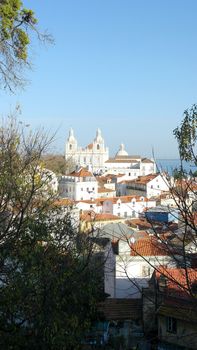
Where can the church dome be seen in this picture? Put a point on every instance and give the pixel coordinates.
(121, 151)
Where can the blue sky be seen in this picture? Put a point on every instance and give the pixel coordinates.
(128, 67)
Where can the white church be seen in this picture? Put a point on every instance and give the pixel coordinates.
(96, 158)
(92, 156)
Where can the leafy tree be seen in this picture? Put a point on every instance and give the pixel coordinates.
(174, 279)
(48, 285)
(17, 23)
(58, 164)
(186, 135)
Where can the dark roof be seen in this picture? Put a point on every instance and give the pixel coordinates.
(121, 309)
(180, 309)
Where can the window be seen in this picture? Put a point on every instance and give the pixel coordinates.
(70, 146)
(157, 186)
(81, 188)
(151, 186)
(98, 147)
(118, 214)
(81, 198)
(125, 214)
(133, 214)
(145, 271)
(171, 324)
(129, 174)
(91, 206)
(88, 189)
(92, 188)
(84, 159)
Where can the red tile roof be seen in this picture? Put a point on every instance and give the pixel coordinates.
(178, 281)
(82, 172)
(92, 216)
(104, 190)
(90, 146)
(123, 199)
(144, 179)
(149, 246)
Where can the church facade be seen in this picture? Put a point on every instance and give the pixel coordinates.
(95, 157)
(92, 156)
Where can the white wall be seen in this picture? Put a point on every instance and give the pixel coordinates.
(133, 273)
(156, 186)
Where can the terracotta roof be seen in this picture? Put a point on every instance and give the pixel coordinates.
(90, 146)
(123, 199)
(121, 309)
(189, 185)
(149, 246)
(144, 179)
(104, 190)
(109, 177)
(82, 172)
(92, 216)
(178, 281)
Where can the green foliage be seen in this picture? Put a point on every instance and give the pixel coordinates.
(16, 25)
(186, 135)
(179, 174)
(48, 286)
(58, 164)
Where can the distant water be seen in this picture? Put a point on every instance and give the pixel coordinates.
(170, 164)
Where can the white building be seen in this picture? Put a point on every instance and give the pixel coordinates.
(124, 207)
(135, 264)
(152, 185)
(129, 165)
(93, 156)
(79, 185)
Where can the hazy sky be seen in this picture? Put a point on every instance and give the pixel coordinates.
(128, 67)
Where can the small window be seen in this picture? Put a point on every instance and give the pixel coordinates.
(98, 147)
(92, 188)
(129, 174)
(171, 324)
(125, 214)
(118, 214)
(70, 146)
(91, 206)
(151, 186)
(81, 198)
(88, 189)
(81, 188)
(145, 271)
(157, 186)
(84, 159)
